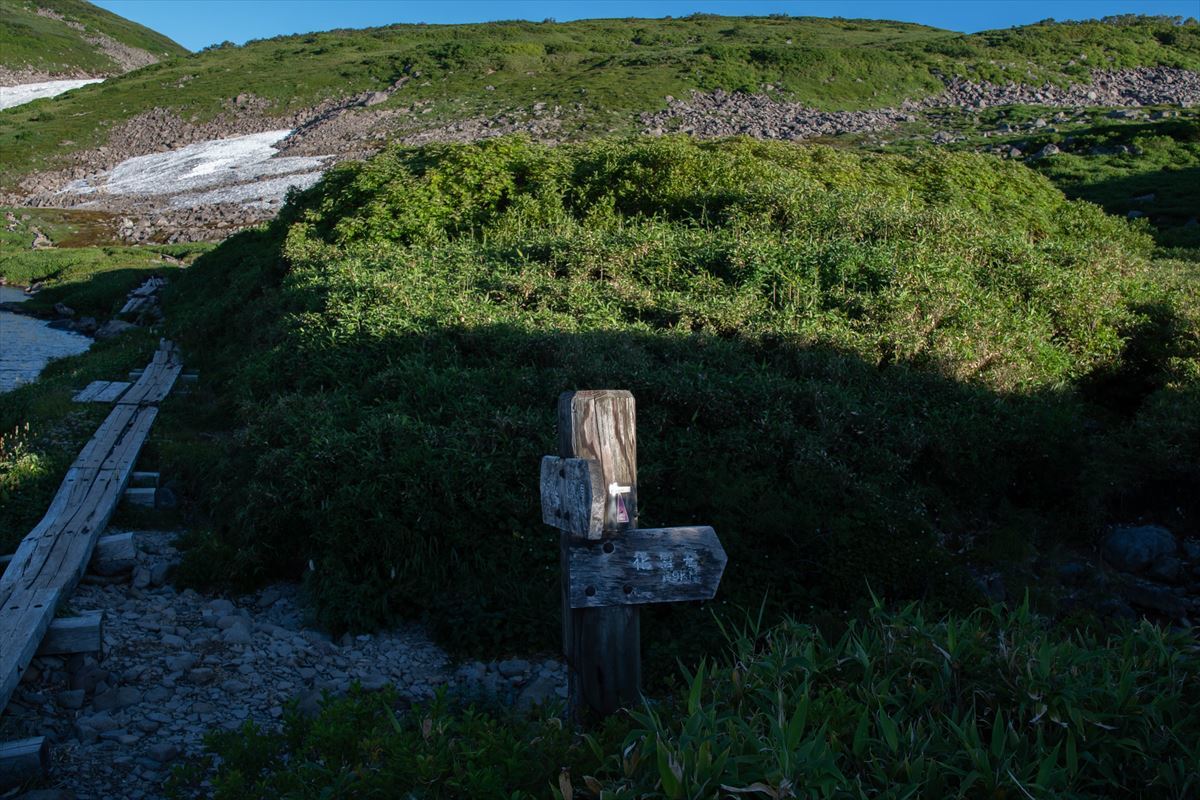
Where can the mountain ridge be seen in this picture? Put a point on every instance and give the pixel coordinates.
(42, 40)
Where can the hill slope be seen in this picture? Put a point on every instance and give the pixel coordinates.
(45, 39)
(354, 89)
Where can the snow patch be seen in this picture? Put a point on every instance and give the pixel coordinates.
(23, 93)
(241, 169)
(260, 194)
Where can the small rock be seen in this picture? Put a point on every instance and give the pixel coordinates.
(48, 794)
(222, 607)
(1191, 549)
(200, 676)
(1072, 572)
(171, 640)
(163, 752)
(1154, 598)
(373, 682)
(238, 634)
(71, 698)
(120, 697)
(158, 573)
(513, 668)
(539, 692)
(141, 575)
(1134, 549)
(114, 327)
(63, 310)
(181, 663)
(1167, 569)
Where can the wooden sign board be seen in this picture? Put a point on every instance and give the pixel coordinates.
(645, 565)
(573, 496)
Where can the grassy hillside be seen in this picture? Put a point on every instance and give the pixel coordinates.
(599, 72)
(62, 38)
(886, 353)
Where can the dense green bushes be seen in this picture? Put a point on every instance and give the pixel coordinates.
(839, 361)
(990, 705)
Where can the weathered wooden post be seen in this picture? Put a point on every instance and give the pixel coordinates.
(609, 566)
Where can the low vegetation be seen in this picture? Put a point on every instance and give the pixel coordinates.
(92, 281)
(851, 365)
(989, 705)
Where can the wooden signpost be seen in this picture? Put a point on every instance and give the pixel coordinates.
(609, 565)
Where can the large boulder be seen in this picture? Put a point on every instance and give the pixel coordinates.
(1137, 549)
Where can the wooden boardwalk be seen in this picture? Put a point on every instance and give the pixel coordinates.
(53, 556)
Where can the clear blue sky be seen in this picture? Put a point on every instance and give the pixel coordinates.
(198, 23)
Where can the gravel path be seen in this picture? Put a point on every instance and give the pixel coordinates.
(178, 664)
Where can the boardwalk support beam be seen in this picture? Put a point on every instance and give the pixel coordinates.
(23, 760)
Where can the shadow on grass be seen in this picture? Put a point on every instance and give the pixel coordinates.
(398, 475)
(100, 294)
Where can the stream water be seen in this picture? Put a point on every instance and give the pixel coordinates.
(28, 344)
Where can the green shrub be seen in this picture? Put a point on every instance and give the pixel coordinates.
(989, 705)
(840, 361)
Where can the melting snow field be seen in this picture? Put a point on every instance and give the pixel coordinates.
(28, 92)
(229, 170)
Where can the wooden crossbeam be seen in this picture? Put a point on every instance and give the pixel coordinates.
(141, 496)
(81, 634)
(23, 760)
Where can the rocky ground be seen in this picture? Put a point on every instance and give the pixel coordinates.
(177, 664)
(721, 113)
(1138, 570)
(354, 127)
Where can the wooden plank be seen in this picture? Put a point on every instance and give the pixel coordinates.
(25, 618)
(647, 565)
(80, 516)
(86, 394)
(573, 495)
(23, 760)
(75, 530)
(602, 645)
(153, 385)
(111, 392)
(81, 634)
